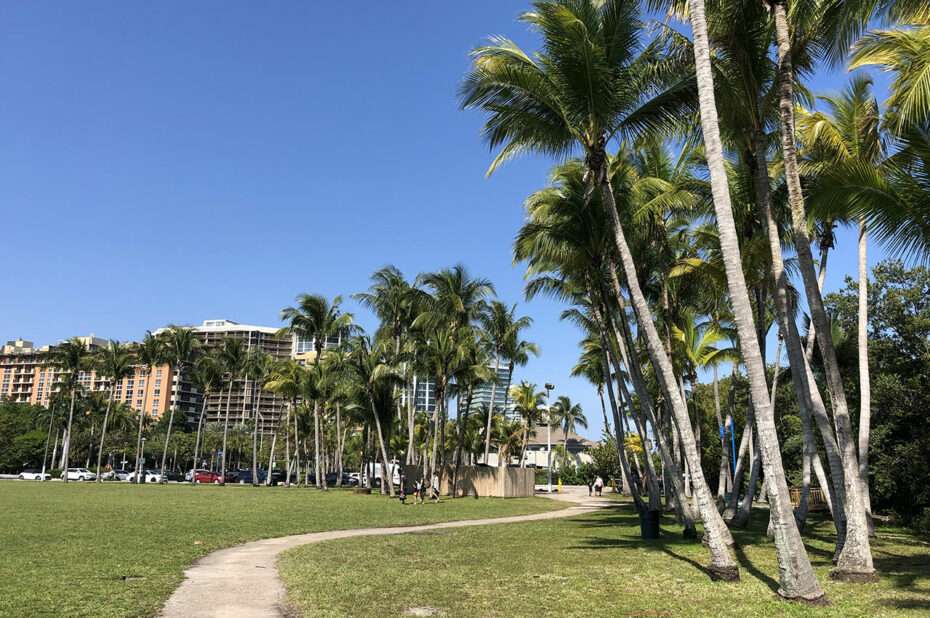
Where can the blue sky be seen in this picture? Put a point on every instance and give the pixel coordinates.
(175, 162)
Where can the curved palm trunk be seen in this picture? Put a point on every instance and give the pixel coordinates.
(722, 564)
(796, 576)
(600, 395)
(855, 559)
(386, 468)
(203, 414)
(297, 450)
(487, 435)
(255, 442)
(722, 424)
(411, 422)
(274, 441)
(164, 454)
(440, 403)
(865, 393)
(457, 459)
(339, 445)
(624, 341)
(621, 449)
(808, 392)
(287, 448)
(103, 431)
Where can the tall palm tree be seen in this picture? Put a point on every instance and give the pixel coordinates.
(456, 298)
(69, 357)
(207, 374)
(150, 353)
(232, 355)
(258, 368)
(848, 135)
(855, 559)
(115, 362)
(592, 81)
(528, 404)
(396, 302)
(316, 319)
(568, 416)
(498, 326)
(288, 380)
(182, 348)
(373, 369)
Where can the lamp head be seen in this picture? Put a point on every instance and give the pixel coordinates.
(550, 386)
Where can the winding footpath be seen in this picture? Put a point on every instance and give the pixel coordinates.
(243, 580)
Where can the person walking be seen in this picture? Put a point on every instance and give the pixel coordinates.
(402, 496)
(598, 486)
(434, 489)
(590, 487)
(418, 491)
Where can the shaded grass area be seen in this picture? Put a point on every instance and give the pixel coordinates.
(64, 549)
(590, 565)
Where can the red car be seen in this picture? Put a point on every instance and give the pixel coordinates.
(207, 476)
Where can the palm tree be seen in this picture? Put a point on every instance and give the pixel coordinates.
(150, 353)
(69, 357)
(287, 380)
(115, 362)
(258, 368)
(316, 319)
(373, 370)
(207, 374)
(182, 348)
(565, 100)
(232, 355)
(528, 404)
(396, 303)
(456, 298)
(850, 135)
(855, 559)
(568, 416)
(498, 326)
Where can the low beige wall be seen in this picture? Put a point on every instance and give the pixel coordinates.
(481, 481)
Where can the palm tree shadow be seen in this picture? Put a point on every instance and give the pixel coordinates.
(746, 563)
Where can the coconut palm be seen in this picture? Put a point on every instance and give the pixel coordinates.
(232, 355)
(528, 404)
(71, 358)
(150, 353)
(288, 380)
(258, 368)
(182, 348)
(374, 370)
(206, 375)
(456, 298)
(115, 362)
(498, 326)
(568, 416)
(316, 319)
(592, 81)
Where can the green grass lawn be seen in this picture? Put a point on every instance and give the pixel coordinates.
(590, 565)
(65, 549)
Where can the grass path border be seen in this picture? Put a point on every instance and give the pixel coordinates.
(243, 580)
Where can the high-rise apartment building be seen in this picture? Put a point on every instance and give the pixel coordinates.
(244, 398)
(24, 378)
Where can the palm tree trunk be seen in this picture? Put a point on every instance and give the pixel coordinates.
(387, 471)
(855, 560)
(103, 430)
(287, 447)
(724, 458)
(339, 444)
(232, 380)
(255, 446)
(865, 393)
(487, 435)
(621, 448)
(164, 454)
(624, 340)
(296, 449)
(600, 394)
(440, 402)
(145, 396)
(808, 392)
(796, 576)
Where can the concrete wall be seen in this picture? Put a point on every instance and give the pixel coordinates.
(483, 481)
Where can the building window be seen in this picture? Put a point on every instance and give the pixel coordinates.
(155, 404)
(157, 393)
(158, 373)
(138, 403)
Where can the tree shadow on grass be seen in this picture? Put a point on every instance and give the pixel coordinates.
(746, 564)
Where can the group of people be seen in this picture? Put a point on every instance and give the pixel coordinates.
(419, 490)
(596, 487)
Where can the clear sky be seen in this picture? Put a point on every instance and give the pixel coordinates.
(176, 161)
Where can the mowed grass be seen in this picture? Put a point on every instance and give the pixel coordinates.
(66, 549)
(589, 565)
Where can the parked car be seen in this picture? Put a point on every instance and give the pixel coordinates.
(117, 475)
(207, 476)
(32, 474)
(149, 476)
(79, 474)
(277, 476)
(245, 477)
(174, 476)
(232, 474)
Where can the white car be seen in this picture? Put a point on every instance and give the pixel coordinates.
(32, 474)
(79, 474)
(150, 476)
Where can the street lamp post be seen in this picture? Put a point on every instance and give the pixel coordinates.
(549, 387)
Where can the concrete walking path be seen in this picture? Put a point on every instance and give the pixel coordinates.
(243, 580)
